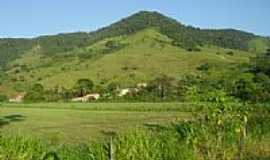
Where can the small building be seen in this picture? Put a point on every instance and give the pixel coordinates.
(124, 92)
(87, 98)
(17, 99)
(127, 91)
(93, 96)
(141, 85)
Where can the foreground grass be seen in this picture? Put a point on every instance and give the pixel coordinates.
(73, 123)
(130, 134)
(165, 143)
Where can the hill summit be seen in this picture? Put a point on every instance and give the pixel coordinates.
(186, 37)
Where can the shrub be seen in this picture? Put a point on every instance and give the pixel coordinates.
(143, 144)
(33, 96)
(230, 53)
(26, 148)
(37, 88)
(204, 67)
(3, 98)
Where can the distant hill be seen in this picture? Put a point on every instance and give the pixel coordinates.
(137, 48)
(185, 36)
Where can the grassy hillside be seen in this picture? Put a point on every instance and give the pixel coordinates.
(185, 36)
(138, 48)
(141, 57)
(259, 45)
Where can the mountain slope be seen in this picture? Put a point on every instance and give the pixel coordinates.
(184, 36)
(135, 49)
(146, 55)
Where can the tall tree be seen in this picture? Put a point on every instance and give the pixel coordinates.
(83, 86)
(163, 85)
(262, 63)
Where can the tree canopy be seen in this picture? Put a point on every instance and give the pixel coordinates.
(83, 86)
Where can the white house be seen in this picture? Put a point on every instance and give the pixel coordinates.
(87, 98)
(141, 85)
(124, 92)
(17, 99)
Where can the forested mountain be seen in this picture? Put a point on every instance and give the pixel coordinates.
(12, 48)
(139, 48)
(183, 36)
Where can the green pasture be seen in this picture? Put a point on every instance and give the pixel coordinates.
(75, 123)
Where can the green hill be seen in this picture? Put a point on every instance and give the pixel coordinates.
(135, 49)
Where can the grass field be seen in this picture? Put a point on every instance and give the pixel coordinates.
(78, 131)
(73, 123)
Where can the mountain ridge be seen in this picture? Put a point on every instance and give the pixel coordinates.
(184, 36)
(138, 48)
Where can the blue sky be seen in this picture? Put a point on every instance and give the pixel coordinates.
(30, 18)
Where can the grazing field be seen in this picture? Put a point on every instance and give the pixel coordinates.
(69, 123)
(78, 131)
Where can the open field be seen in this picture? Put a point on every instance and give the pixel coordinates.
(80, 122)
(144, 131)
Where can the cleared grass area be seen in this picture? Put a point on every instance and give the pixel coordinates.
(77, 131)
(75, 123)
(138, 107)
